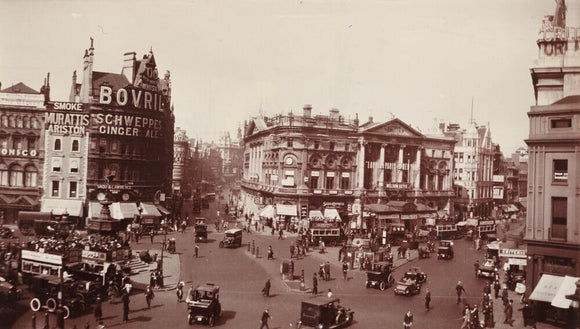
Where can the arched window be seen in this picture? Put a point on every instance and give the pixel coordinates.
(16, 175)
(75, 145)
(4, 121)
(26, 122)
(57, 144)
(30, 176)
(34, 123)
(3, 174)
(19, 122)
(12, 121)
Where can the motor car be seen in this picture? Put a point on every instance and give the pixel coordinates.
(232, 239)
(487, 269)
(380, 276)
(515, 277)
(323, 312)
(200, 231)
(415, 274)
(46, 289)
(8, 292)
(203, 304)
(6, 232)
(445, 250)
(407, 287)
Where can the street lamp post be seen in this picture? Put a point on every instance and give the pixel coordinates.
(59, 311)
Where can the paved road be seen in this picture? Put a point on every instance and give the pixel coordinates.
(241, 276)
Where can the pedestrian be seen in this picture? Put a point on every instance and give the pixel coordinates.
(344, 269)
(528, 316)
(87, 325)
(475, 315)
(428, 299)
(264, 320)
(196, 250)
(408, 320)
(292, 250)
(487, 288)
(496, 288)
(152, 279)
(34, 320)
(459, 290)
(504, 296)
(151, 235)
(98, 310)
(476, 267)
(314, 284)
(327, 271)
(508, 312)
(126, 302)
(329, 293)
(179, 291)
(266, 289)
(149, 295)
(280, 233)
(466, 317)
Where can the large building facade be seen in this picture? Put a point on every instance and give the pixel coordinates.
(21, 149)
(553, 212)
(302, 163)
(130, 137)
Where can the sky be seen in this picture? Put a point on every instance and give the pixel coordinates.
(231, 60)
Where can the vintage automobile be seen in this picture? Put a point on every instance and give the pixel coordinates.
(232, 239)
(171, 245)
(415, 274)
(200, 231)
(8, 292)
(487, 269)
(445, 250)
(515, 276)
(46, 289)
(6, 232)
(407, 287)
(380, 275)
(323, 312)
(203, 304)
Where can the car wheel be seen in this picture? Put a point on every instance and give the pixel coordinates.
(35, 304)
(66, 312)
(51, 304)
(211, 320)
(383, 285)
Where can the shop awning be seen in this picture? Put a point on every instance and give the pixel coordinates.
(568, 287)
(286, 210)
(74, 208)
(128, 209)
(149, 209)
(517, 261)
(547, 287)
(315, 214)
(267, 211)
(332, 214)
(95, 210)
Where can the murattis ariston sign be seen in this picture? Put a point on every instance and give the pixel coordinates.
(513, 253)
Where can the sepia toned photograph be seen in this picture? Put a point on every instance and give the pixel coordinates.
(290, 164)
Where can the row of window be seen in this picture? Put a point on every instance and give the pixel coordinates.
(17, 121)
(18, 142)
(17, 176)
(56, 189)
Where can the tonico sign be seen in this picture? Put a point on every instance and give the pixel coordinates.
(138, 98)
(18, 152)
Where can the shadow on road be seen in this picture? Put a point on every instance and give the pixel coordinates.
(227, 315)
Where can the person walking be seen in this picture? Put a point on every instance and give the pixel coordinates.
(345, 270)
(266, 289)
(98, 310)
(327, 271)
(459, 290)
(314, 284)
(149, 295)
(151, 235)
(508, 312)
(428, 299)
(476, 267)
(126, 302)
(504, 296)
(528, 316)
(496, 288)
(196, 250)
(179, 291)
(264, 320)
(408, 320)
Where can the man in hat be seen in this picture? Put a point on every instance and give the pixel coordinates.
(264, 320)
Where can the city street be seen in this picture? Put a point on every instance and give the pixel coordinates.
(242, 275)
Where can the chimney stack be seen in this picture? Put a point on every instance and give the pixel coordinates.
(307, 110)
(129, 66)
(334, 113)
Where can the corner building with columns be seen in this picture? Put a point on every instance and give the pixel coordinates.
(299, 165)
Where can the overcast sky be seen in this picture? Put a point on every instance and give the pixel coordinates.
(231, 59)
